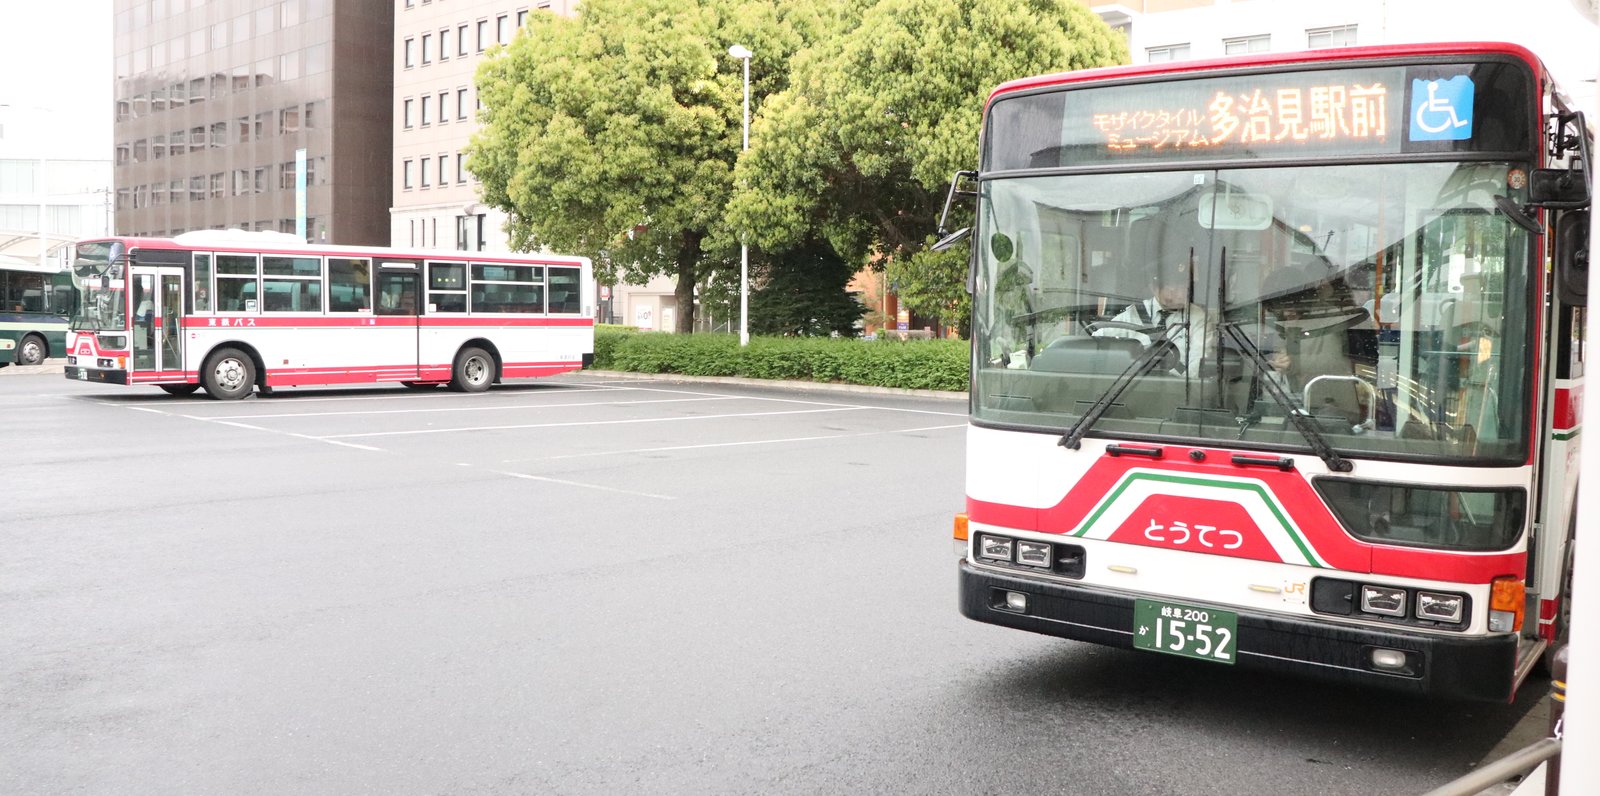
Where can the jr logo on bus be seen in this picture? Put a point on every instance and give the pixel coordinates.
(1441, 110)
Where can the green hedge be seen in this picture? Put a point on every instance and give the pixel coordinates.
(911, 364)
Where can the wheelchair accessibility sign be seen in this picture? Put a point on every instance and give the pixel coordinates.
(1441, 110)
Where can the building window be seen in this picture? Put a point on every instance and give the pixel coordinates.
(483, 34)
(1247, 44)
(427, 49)
(444, 44)
(522, 18)
(407, 116)
(411, 53)
(444, 99)
(461, 168)
(461, 104)
(289, 120)
(425, 116)
(405, 178)
(502, 29)
(1171, 52)
(443, 164)
(461, 40)
(1337, 36)
(425, 170)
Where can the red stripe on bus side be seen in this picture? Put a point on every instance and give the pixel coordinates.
(193, 322)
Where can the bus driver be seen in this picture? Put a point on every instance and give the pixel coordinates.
(1185, 323)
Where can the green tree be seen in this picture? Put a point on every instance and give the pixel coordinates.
(614, 134)
(860, 147)
(803, 293)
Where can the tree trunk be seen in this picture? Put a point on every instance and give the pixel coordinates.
(688, 260)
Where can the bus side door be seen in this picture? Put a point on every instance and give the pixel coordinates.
(399, 291)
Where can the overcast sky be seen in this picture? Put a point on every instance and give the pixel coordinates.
(57, 53)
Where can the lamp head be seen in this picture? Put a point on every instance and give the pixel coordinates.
(740, 51)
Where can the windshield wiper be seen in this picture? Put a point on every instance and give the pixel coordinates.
(1301, 421)
(1135, 371)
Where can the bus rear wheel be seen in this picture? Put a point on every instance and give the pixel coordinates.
(32, 351)
(228, 375)
(179, 389)
(474, 371)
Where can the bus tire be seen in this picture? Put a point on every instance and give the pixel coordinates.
(228, 375)
(179, 389)
(32, 351)
(473, 372)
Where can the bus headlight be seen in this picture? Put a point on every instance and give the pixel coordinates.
(1440, 607)
(997, 548)
(1033, 554)
(1383, 600)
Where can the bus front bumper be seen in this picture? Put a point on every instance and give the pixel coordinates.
(75, 373)
(1465, 667)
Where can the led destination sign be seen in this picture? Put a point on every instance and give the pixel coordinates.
(1292, 115)
(1325, 113)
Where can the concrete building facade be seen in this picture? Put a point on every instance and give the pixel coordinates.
(215, 98)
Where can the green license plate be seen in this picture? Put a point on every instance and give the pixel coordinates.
(1187, 630)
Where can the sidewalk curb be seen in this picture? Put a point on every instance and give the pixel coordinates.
(51, 367)
(786, 384)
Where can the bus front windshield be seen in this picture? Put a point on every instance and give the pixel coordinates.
(1385, 305)
(101, 306)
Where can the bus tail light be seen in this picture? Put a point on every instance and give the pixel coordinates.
(961, 526)
(1507, 596)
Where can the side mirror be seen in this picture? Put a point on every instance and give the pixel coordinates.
(1517, 215)
(1558, 188)
(951, 239)
(1572, 258)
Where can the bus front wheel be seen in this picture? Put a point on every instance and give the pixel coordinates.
(474, 371)
(32, 351)
(179, 389)
(229, 375)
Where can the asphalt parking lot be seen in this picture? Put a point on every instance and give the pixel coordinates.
(592, 584)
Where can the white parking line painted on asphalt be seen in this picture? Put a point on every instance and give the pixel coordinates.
(491, 408)
(809, 402)
(564, 482)
(283, 433)
(735, 444)
(292, 398)
(584, 423)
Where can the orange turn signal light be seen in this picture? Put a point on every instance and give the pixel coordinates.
(961, 526)
(1508, 594)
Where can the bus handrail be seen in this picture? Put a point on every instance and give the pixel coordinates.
(1517, 763)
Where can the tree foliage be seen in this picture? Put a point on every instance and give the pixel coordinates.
(803, 294)
(860, 147)
(614, 134)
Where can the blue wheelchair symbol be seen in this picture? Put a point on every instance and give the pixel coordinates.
(1441, 110)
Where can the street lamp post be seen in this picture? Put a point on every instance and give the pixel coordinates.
(743, 53)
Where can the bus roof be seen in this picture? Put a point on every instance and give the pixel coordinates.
(279, 243)
(1175, 68)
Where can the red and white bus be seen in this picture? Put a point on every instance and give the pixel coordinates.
(235, 311)
(1277, 362)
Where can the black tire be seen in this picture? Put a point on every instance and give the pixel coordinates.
(228, 375)
(473, 371)
(179, 389)
(32, 350)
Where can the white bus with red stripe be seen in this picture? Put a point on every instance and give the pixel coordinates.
(1277, 362)
(232, 312)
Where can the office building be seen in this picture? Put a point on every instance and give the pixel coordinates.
(215, 101)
